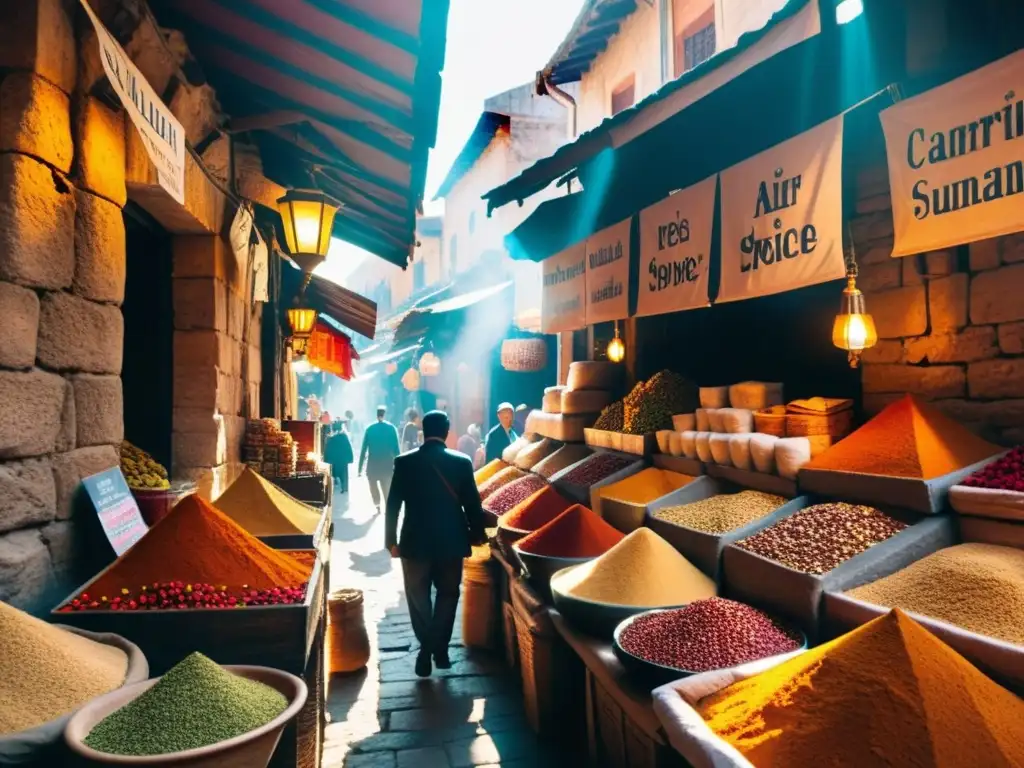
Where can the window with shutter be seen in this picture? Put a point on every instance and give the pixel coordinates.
(699, 47)
(624, 95)
(693, 25)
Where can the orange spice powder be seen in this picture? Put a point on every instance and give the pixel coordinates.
(577, 532)
(196, 542)
(537, 510)
(909, 438)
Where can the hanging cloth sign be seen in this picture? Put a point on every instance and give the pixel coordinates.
(782, 216)
(956, 160)
(608, 274)
(675, 247)
(162, 134)
(563, 307)
(329, 350)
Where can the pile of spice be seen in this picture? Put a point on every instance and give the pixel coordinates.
(649, 407)
(820, 538)
(141, 471)
(612, 418)
(642, 570)
(561, 459)
(910, 439)
(979, 587)
(597, 468)
(722, 513)
(47, 672)
(888, 693)
(1005, 474)
(575, 533)
(489, 470)
(263, 509)
(538, 510)
(196, 704)
(197, 544)
(645, 486)
(513, 494)
(500, 478)
(709, 634)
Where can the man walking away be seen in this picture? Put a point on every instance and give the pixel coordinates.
(380, 444)
(501, 437)
(338, 454)
(443, 517)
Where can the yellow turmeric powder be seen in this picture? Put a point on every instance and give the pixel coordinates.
(887, 694)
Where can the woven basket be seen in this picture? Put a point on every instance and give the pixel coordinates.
(536, 669)
(524, 355)
(833, 424)
(348, 641)
(771, 421)
(481, 603)
(508, 616)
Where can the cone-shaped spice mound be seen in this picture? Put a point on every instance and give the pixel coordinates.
(538, 510)
(46, 672)
(888, 693)
(263, 509)
(511, 495)
(194, 705)
(576, 532)
(907, 439)
(500, 479)
(487, 471)
(642, 570)
(198, 543)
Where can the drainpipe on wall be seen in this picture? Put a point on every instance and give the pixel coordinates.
(665, 22)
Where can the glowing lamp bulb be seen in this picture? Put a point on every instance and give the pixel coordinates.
(616, 349)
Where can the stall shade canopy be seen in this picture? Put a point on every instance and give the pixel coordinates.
(346, 307)
(343, 92)
(486, 308)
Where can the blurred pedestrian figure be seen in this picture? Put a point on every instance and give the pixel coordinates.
(338, 453)
(355, 429)
(519, 420)
(501, 437)
(470, 441)
(411, 431)
(377, 455)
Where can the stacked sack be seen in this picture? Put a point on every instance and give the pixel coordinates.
(568, 409)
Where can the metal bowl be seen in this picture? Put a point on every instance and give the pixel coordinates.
(654, 674)
(539, 569)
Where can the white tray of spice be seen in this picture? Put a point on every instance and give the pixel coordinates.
(996, 490)
(826, 544)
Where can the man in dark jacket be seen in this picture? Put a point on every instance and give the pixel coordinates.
(338, 453)
(380, 444)
(501, 437)
(443, 517)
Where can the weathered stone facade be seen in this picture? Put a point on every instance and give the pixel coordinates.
(950, 323)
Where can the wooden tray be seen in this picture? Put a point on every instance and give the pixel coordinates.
(638, 445)
(680, 464)
(583, 494)
(278, 636)
(303, 540)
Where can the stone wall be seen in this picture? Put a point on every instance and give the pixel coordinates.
(62, 278)
(950, 323)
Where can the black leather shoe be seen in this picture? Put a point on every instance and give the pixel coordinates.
(441, 661)
(423, 668)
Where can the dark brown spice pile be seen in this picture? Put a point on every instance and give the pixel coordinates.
(597, 468)
(507, 497)
(820, 538)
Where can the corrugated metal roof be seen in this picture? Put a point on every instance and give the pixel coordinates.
(590, 144)
(596, 23)
(350, 92)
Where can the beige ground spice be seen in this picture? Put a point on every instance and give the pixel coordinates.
(979, 587)
(723, 513)
(46, 672)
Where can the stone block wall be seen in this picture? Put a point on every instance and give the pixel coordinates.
(950, 323)
(62, 278)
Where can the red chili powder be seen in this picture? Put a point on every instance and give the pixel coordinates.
(577, 532)
(538, 510)
(908, 438)
(198, 543)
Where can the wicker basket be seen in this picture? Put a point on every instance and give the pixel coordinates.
(524, 355)
(481, 612)
(536, 666)
(771, 421)
(349, 643)
(836, 424)
(511, 640)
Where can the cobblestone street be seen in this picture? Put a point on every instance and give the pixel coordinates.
(386, 717)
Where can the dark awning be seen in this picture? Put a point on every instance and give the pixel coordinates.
(445, 319)
(348, 309)
(341, 92)
(596, 23)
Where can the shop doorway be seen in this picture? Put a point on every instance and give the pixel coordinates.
(147, 373)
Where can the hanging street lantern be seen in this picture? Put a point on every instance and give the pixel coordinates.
(301, 320)
(411, 380)
(430, 364)
(308, 219)
(616, 348)
(854, 329)
(390, 368)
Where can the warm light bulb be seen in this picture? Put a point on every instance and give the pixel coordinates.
(616, 350)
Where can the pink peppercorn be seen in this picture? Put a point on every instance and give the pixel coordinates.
(597, 468)
(507, 497)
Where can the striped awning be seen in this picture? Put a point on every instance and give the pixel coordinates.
(339, 94)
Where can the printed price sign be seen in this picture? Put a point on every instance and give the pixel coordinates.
(116, 509)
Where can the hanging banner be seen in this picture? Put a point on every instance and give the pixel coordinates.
(782, 216)
(955, 173)
(608, 274)
(563, 306)
(162, 134)
(675, 247)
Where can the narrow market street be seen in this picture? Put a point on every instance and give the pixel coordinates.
(385, 716)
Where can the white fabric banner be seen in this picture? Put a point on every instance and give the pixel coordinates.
(261, 268)
(782, 216)
(162, 134)
(563, 301)
(955, 172)
(608, 274)
(675, 248)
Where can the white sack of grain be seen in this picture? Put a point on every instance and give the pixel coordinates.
(703, 423)
(719, 443)
(594, 375)
(509, 454)
(739, 451)
(675, 444)
(684, 421)
(664, 438)
(688, 443)
(714, 397)
(762, 452)
(753, 395)
(576, 401)
(703, 441)
(791, 453)
(715, 420)
(552, 402)
(533, 419)
(737, 421)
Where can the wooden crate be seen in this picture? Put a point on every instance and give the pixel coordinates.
(616, 741)
(280, 636)
(302, 742)
(836, 424)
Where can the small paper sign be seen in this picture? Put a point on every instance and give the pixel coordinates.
(116, 509)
